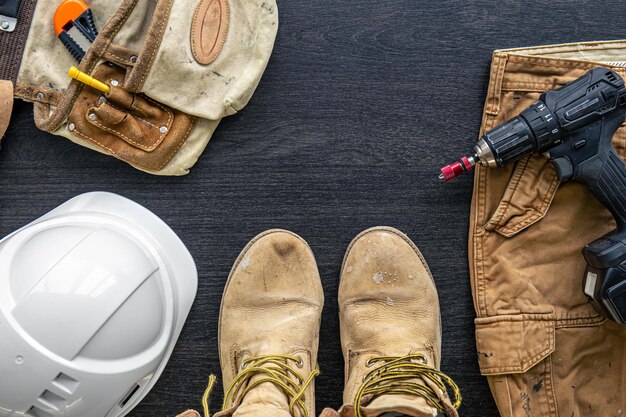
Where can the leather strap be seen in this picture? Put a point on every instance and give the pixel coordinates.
(6, 105)
(12, 43)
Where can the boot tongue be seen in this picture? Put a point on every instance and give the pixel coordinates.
(404, 405)
(263, 401)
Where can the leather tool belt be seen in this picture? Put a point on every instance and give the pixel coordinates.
(174, 72)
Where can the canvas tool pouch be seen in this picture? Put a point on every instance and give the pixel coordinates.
(543, 348)
(175, 68)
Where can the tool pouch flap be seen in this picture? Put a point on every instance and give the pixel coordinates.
(131, 126)
(175, 68)
(527, 197)
(210, 56)
(510, 344)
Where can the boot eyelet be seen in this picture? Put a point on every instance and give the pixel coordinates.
(243, 365)
(300, 362)
(369, 363)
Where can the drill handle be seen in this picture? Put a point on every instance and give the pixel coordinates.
(610, 187)
(587, 155)
(605, 277)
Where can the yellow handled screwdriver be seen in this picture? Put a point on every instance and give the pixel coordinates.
(88, 80)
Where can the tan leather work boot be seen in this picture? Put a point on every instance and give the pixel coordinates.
(391, 330)
(269, 329)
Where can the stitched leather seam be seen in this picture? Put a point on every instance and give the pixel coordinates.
(148, 148)
(194, 25)
(120, 60)
(101, 144)
(160, 37)
(183, 140)
(126, 138)
(147, 122)
(166, 109)
(171, 155)
(109, 53)
(29, 92)
(139, 145)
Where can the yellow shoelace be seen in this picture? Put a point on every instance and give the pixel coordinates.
(397, 376)
(274, 369)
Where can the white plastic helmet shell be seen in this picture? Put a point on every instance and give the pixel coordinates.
(93, 297)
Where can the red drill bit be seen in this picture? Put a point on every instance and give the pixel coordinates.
(460, 167)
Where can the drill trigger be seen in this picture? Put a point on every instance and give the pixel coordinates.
(564, 168)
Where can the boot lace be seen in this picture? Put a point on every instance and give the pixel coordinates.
(396, 376)
(275, 369)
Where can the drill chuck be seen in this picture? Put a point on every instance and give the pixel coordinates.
(534, 130)
(508, 142)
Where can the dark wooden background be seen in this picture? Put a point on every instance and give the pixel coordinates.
(361, 103)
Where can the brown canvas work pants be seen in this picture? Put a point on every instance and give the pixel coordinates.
(543, 348)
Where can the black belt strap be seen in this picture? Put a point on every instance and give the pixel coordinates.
(9, 7)
(8, 14)
(12, 43)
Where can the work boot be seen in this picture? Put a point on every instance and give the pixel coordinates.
(391, 330)
(269, 329)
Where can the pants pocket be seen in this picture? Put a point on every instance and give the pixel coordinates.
(527, 197)
(515, 353)
(513, 343)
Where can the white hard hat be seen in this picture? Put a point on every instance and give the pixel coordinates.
(93, 296)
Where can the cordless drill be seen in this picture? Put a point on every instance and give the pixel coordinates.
(574, 126)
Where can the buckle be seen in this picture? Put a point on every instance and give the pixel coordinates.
(7, 23)
(8, 15)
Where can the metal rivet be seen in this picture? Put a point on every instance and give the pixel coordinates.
(133, 59)
(115, 83)
(5, 24)
(102, 99)
(93, 117)
(163, 130)
(39, 96)
(71, 127)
